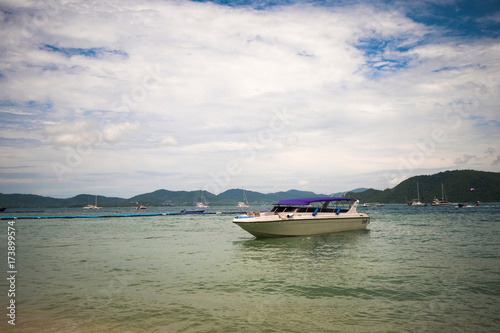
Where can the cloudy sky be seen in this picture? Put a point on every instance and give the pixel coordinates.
(124, 97)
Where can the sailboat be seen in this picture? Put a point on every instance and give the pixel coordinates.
(203, 203)
(93, 206)
(444, 201)
(417, 202)
(244, 203)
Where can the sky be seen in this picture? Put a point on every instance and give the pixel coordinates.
(120, 98)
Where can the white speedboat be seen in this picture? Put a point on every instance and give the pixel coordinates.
(308, 216)
(468, 205)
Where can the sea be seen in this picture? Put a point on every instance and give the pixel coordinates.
(414, 269)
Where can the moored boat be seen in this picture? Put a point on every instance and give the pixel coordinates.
(373, 204)
(90, 206)
(244, 203)
(443, 201)
(307, 216)
(192, 211)
(468, 205)
(417, 202)
(203, 203)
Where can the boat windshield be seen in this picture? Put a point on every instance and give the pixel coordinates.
(322, 206)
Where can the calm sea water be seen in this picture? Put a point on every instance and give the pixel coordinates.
(416, 269)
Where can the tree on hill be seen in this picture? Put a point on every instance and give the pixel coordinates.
(457, 186)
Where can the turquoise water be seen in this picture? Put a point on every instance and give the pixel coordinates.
(415, 269)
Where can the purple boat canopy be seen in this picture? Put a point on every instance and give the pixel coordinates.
(307, 201)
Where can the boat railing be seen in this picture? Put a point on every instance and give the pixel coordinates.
(312, 208)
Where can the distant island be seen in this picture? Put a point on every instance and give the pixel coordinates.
(459, 185)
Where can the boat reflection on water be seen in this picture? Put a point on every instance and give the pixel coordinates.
(291, 249)
(330, 262)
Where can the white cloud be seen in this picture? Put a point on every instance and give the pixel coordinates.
(495, 18)
(167, 141)
(204, 81)
(87, 132)
(114, 133)
(303, 182)
(70, 133)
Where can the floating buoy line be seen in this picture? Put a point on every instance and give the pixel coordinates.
(110, 216)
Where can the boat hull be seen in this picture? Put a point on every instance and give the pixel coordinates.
(441, 203)
(262, 227)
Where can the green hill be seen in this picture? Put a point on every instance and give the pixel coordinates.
(457, 186)
(229, 197)
(29, 201)
(166, 197)
(156, 198)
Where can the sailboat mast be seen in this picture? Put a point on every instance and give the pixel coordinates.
(244, 197)
(203, 200)
(443, 197)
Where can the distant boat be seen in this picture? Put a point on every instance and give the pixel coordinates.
(244, 203)
(141, 207)
(203, 203)
(93, 206)
(373, 204)
(192, 211)
(468, 205)
(443, 201)
(417, 202)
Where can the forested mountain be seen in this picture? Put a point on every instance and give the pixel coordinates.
(156, 198)
(457, 186)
